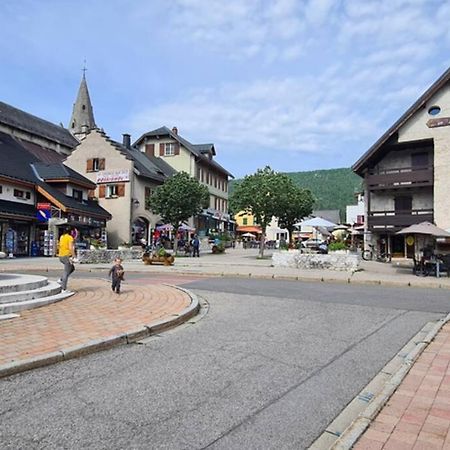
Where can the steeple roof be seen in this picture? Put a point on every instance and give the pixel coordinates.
(82, 114)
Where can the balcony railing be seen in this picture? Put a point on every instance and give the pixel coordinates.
(400, 178)
(399, 219)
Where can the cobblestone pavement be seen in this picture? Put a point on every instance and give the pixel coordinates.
(417, 416)
(94, 312)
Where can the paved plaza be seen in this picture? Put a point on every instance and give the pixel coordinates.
(416, 416)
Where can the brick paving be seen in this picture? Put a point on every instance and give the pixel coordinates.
(94, 312)
(417, 416)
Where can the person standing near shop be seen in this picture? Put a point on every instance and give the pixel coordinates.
(66, 255)
(195, 246)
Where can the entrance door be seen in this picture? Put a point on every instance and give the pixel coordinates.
(398, 246)
(403, 204)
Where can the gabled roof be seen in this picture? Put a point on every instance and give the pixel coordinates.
(198, 150)
(420, 103)
(24, 121)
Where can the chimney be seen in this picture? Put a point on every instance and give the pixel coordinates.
(175, 130)
(126, 140)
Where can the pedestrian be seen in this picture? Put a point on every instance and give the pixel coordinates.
(116, 273)
(195, 246)
(66, 255)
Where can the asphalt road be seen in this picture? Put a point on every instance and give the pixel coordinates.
(269, 366)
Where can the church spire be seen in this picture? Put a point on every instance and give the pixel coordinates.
(82, 119)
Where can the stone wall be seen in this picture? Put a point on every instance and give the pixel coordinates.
(332, 261)
(107, 256)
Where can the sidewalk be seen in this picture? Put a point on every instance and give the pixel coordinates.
(93, 318)
(417, 416)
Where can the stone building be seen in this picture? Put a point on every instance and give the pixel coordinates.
(406, 172)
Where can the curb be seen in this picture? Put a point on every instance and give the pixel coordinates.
(358, 426)
(98, 345)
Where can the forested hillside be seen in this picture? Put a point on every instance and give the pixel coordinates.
(333, 188)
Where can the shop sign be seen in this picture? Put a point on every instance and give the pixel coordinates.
(112, 176)
(44, 206)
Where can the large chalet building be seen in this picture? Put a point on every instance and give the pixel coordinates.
(198, 161)
(406, 172)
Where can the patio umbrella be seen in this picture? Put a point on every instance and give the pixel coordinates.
(315, 222)
(185, 227)
(425, 228)
(166, 227)
(248, 235)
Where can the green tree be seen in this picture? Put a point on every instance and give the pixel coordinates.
(179, 198)
(258, 194)
(295, 204)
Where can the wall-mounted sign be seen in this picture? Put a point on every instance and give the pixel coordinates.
(43, 215)
(112, 176)
(442, 122)
(43, 206)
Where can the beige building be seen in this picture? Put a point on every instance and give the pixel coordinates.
(125, 179)
(406, 172)
(198, 161)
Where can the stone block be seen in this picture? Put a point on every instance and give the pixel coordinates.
(332, 261)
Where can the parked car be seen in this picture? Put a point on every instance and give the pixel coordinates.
(312, 243)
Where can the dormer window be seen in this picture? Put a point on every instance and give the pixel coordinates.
(169, 149)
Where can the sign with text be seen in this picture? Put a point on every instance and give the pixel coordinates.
(442, 122)
(112, 176)
(44, 206)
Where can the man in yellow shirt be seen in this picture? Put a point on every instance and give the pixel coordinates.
(66, 255)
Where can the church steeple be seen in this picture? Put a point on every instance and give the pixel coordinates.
(82, 119)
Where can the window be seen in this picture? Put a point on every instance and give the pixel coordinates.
(148, 194)
(244, 221)
(95, 164)
(18, 193)
(28, 195)
(169, 149)
(1, 189)
(111, 190)
(77, 194)
(434, 110)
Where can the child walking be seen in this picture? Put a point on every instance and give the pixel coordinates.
(116, 273)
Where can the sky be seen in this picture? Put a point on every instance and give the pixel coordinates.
(293, 84)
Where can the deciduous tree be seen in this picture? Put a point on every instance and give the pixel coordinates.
(179, 198)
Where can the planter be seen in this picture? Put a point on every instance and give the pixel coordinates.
(149, 259)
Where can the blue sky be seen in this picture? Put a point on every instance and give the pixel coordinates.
(294, 84)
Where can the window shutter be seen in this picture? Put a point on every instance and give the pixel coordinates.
(90, 165)
(177, 148)
(150, 149)
(101, 191)
(101, 164)
(121, 190)
(161, 149)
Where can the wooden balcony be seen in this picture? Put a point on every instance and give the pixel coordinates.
(397, 178)
(399, 219)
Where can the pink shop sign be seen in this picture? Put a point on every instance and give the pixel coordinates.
(112, 176)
